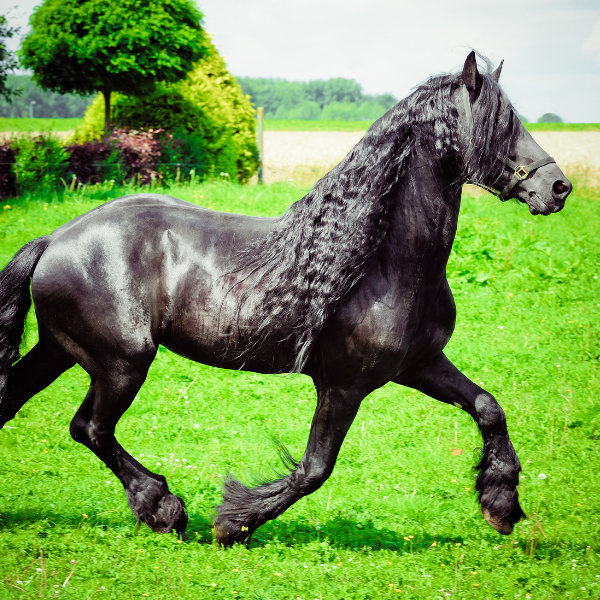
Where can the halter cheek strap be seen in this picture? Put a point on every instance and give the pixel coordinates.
(520, 172)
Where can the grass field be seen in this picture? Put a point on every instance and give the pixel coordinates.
(398, 518)
(63, 125)
(38, 125)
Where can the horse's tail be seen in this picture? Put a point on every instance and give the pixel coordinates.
(15, 301)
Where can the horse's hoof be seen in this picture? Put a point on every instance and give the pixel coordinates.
(227, 533)
(503, 527)
(170, 515)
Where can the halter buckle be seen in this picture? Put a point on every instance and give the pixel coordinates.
(521, 173)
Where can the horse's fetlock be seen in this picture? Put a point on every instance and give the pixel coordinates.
(489, 412)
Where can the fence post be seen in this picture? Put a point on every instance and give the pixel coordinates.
(260, 111)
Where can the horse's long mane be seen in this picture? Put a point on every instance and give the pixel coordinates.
(325, 243)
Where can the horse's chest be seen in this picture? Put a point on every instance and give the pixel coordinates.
(381, 328)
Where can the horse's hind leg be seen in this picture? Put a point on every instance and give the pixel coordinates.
(499, 466)
(30, 375)
(109, 396)
(245, 509)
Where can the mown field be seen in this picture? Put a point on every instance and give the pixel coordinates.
(64, 125)
(38, 125)
(398, 518)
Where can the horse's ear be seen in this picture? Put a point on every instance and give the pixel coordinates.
(496, 73)
(469, 74)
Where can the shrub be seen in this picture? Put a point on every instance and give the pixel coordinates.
(93, 162)
(41, 162)
(144, 156)
(181, 153)
(125, 154)
(140, 152)
(8, 180)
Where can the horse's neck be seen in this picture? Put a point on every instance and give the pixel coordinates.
(425, 215)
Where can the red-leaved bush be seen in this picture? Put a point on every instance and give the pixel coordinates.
(142, 156)
(140, 152)
(86, 161)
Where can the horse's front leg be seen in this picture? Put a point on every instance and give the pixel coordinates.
(245, 509)
(499, 466)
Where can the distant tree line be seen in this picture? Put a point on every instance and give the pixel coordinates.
(332, 99)
(549, 118)
(545, 118)
(47, 104)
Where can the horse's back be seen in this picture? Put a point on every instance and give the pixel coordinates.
(130, 201)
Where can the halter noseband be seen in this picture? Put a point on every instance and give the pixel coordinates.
(520, 172)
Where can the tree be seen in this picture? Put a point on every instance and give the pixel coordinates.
(207, 112)
(85, 46)
(7, 61)
(333, 90)
(550, 118)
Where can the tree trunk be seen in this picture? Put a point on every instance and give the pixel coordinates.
(107, 124)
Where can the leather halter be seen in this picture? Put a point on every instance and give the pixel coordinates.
(520, 172)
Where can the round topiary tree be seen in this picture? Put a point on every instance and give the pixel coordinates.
(85, 46)
(208, 106)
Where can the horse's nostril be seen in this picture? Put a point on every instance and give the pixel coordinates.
(559, 188)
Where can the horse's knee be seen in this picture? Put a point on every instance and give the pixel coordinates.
(489, 413)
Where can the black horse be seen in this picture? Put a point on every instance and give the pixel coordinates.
(348, 286)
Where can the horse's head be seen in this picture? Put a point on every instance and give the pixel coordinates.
(499, 153)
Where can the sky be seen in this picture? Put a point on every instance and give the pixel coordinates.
(551, 48)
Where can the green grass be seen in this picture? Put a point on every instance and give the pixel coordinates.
(37, 125)
(398, 517)
(562, 126)
(26, 125)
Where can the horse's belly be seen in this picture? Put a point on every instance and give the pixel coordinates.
(216, 352)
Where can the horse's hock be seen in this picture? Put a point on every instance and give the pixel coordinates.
(305, 156)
